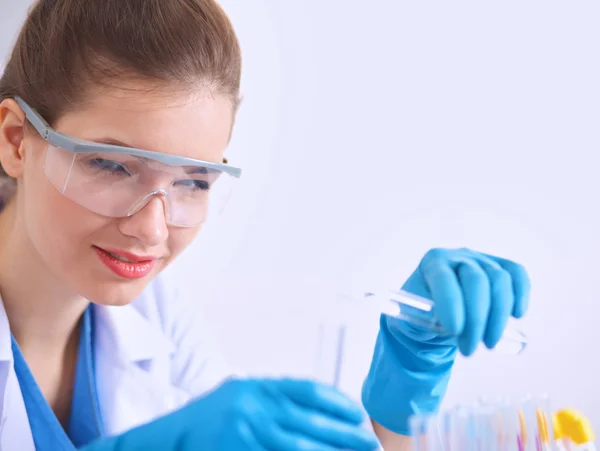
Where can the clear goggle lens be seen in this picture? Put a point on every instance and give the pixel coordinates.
(119, 185)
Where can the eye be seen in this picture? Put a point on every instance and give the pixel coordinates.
(194, 185)
(107, 165)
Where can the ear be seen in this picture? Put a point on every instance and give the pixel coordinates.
(12, 134)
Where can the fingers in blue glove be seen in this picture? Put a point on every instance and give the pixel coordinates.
(521, 284)
(321, 397)
(474, 294)
(298, 415)
(445, 290)
(300, 426)
(502, 299)
(254, 415)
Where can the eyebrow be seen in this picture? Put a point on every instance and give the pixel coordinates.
(189, 170)
(111, 141)
(198, 170)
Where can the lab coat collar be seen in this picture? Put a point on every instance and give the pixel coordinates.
(6, 354)
(133, 371)
(132, 374)
(133, 337)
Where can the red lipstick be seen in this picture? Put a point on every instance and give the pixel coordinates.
(125, 264)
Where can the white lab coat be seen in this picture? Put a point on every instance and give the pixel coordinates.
(152, 356)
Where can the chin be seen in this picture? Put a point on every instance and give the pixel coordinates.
(117, 293)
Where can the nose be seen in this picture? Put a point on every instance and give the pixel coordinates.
(148, 224)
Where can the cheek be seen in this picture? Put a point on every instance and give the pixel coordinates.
(57, 227)
(180, 239)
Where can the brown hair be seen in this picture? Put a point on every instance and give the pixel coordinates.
(65, 45)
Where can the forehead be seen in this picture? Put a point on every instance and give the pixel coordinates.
(195, 125)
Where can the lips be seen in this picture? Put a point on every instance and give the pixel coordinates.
(126, 265)
(128, 257)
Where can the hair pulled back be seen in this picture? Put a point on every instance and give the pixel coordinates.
(67, 46)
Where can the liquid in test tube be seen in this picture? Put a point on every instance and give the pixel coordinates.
(427, 433)
(417, 431)
(544, 422)
(510, 428)
(487, 429)
(530, 425)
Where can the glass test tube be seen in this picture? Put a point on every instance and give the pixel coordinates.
(544, 421)
(488, 425)
(419, 311)
(506, 424)
(329, 353)
(511, 437)
(487, 428)
(417, 424)
(425, 433)
(529, 424)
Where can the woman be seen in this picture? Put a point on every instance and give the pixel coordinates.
(114, 119)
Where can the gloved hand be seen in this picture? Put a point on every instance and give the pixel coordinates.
(240, 415)
(474, 295)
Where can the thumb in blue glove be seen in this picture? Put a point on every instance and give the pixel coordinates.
(254, 414)
(474, 295)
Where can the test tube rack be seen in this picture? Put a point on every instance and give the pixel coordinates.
(501, 425)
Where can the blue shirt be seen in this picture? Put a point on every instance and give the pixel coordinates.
(85, 423)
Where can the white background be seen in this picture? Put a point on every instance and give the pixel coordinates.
(372, 131)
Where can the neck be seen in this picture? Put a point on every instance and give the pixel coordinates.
(42, 312)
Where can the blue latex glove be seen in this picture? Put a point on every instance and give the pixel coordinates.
(474, 296)
(257, 415)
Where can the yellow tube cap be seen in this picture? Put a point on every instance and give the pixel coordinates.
(559, 434)
(574, 425)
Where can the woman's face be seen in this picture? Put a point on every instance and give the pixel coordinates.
(69, 239)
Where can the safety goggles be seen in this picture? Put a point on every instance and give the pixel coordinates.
(118, 181)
